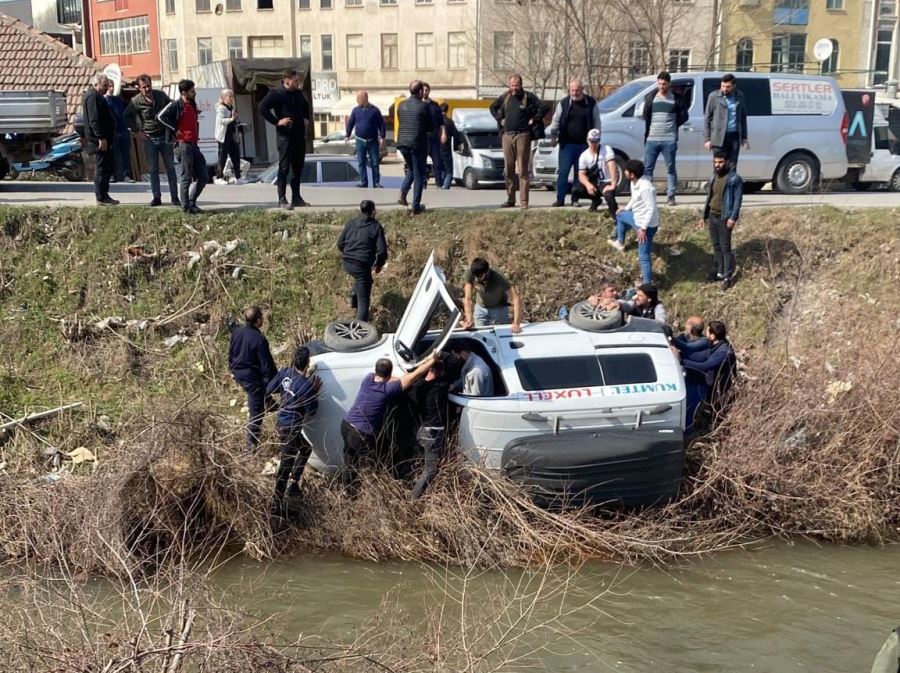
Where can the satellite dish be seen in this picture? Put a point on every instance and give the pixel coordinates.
(114, 73)
(822, 49)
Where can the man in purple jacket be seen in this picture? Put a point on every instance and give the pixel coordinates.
(369, 125)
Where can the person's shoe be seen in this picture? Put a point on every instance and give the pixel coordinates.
(193, 210)
(419, 210)
(727, 283)
(576, 203)
(220, 181)
(402, 200)
(671, 201)
(360, 185)
(592, 208)
(524, 206)
(557, 204)
(508, 204)
(379, 186)
(298, 202)
(713, 277)
(615, 243)
(108, 201)
(176, 203)
(614, 236)
(284, 205)
(155, 202)
(293, 491)
(241, 181)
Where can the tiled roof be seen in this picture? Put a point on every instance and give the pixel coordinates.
(30, 59)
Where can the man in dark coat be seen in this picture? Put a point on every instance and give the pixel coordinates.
(100, 133)
(287, 109)
(415, 124)
(252, 366)
(363, 250)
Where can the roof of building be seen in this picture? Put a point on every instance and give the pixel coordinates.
(32, 60)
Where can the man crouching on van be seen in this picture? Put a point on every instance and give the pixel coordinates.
(363, 422)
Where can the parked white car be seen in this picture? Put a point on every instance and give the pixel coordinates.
(586, 409)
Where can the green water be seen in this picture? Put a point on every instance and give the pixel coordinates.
(782, 607)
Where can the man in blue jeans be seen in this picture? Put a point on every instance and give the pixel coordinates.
(415, 125)
(369, 125)
(140, 115)
(575, 115)
(640, 214)
(664, 112)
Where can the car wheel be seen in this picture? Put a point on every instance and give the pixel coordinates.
(346, 336)
(586, 317)
(894, 184)
(753, 187)
(622, 186)
(469, 179)
(798, 173)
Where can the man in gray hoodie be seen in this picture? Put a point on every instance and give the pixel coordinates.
(363, 250)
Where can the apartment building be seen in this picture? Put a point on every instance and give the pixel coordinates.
(126, 32)
(60, 19)
(779, 36)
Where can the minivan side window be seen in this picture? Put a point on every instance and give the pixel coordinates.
(627, 368)
(755, 90)
(553, 373)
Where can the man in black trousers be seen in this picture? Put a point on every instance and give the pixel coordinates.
(252, 366)
(287, 109)
(363, 250)
(100, 131)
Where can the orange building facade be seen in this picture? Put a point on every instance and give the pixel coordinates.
(126, 32)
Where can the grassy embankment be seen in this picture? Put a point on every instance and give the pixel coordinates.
(810, 447)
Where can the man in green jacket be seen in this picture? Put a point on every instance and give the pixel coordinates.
(141, 116)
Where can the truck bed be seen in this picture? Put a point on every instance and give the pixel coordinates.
(32, 112)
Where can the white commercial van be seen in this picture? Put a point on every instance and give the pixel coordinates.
(478, 158)
(796, 127)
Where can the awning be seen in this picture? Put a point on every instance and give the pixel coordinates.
(244, 74)
(347, 102)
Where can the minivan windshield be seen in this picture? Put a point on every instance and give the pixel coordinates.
(621, 96)
(484, 140)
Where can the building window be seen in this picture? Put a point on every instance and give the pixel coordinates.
(830, 64)
(324, 4)
(539, 51)
(679, 60)
(834, 4)
(235, 47)
(355, 52)
(744, 56)
(424, 2)
(201, 5)
(791, 13)
(125, 36)
(172, 55)
(304, 4)
(788, 52)
(388, 3)
(883, 41)
(306, 46)
(265, 46)
(390, 51)
(68, 11)
(456, 51)
(327, 53)
(638, 59)
(265, 4)
(233, 5)
(455, 2)
(887, 9)
(504, 50)
(425, 51)
(353, 3)
(204, 50)
(170, 6)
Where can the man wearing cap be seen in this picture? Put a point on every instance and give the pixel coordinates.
(598, 175)
(574, 116)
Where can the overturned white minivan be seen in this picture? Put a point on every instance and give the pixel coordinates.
(586, 410)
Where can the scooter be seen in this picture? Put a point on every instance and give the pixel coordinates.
(64, 159)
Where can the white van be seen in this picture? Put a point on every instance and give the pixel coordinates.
(478, 159)
(796, 126)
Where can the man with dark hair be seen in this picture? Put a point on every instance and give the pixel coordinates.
(100, 132)
(517, 111)
(640, 214)
(415, 124)
(664, 112)
(298, 390)
(452, 137)
(718, 368)
(182, 118)
(575, 116)
(475, 377)
(692, 345)
(252, 366)
(141, 116)
(434, 413)
(287, 110)
(487, 298)
(363, 251)
(437, 136)
(724, 193)
(363, 421)
(725, 120)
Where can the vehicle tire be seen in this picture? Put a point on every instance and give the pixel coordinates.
(73, 170)
(798, 173)
(753, 187)
(621, 188)
(347, 336)
(583, 317)
(469, 179)
(894, 184)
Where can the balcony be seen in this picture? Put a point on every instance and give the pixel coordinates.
(68, 11)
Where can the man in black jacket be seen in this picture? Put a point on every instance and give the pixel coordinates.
(437, 136)
(363, 250)
(517, 111)
(100, 131)
(252, 366)
(575, 115)
(286, 108)
(141, 116)
(412, 143)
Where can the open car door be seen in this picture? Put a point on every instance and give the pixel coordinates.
(430, 307)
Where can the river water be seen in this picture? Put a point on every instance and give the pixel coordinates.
(781, 607)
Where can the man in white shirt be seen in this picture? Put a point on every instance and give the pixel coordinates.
(598, 175)
(475, 379)
(640, 214)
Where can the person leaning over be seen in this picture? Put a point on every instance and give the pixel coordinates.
(363, 421)
(492, 296)
(298, 393)
(719, 367)
(253, 367)
(434, 411)
(640, 214)
(517, 111)
(363, 251)
(141, 116)
(598, 175)
(575, 115)
(724, 193)
(182, 118)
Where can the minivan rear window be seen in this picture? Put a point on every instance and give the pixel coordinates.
(585, 371)
(755, 90)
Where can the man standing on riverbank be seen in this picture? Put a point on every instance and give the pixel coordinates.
(724, 193)
(183, 119)
(287, 110)
(725, 120)
(368, 123)
(574, 117)
(252, 366)
(100, 132)
(664, 113)
(415, 125)
(141, 115)
(363, 251)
